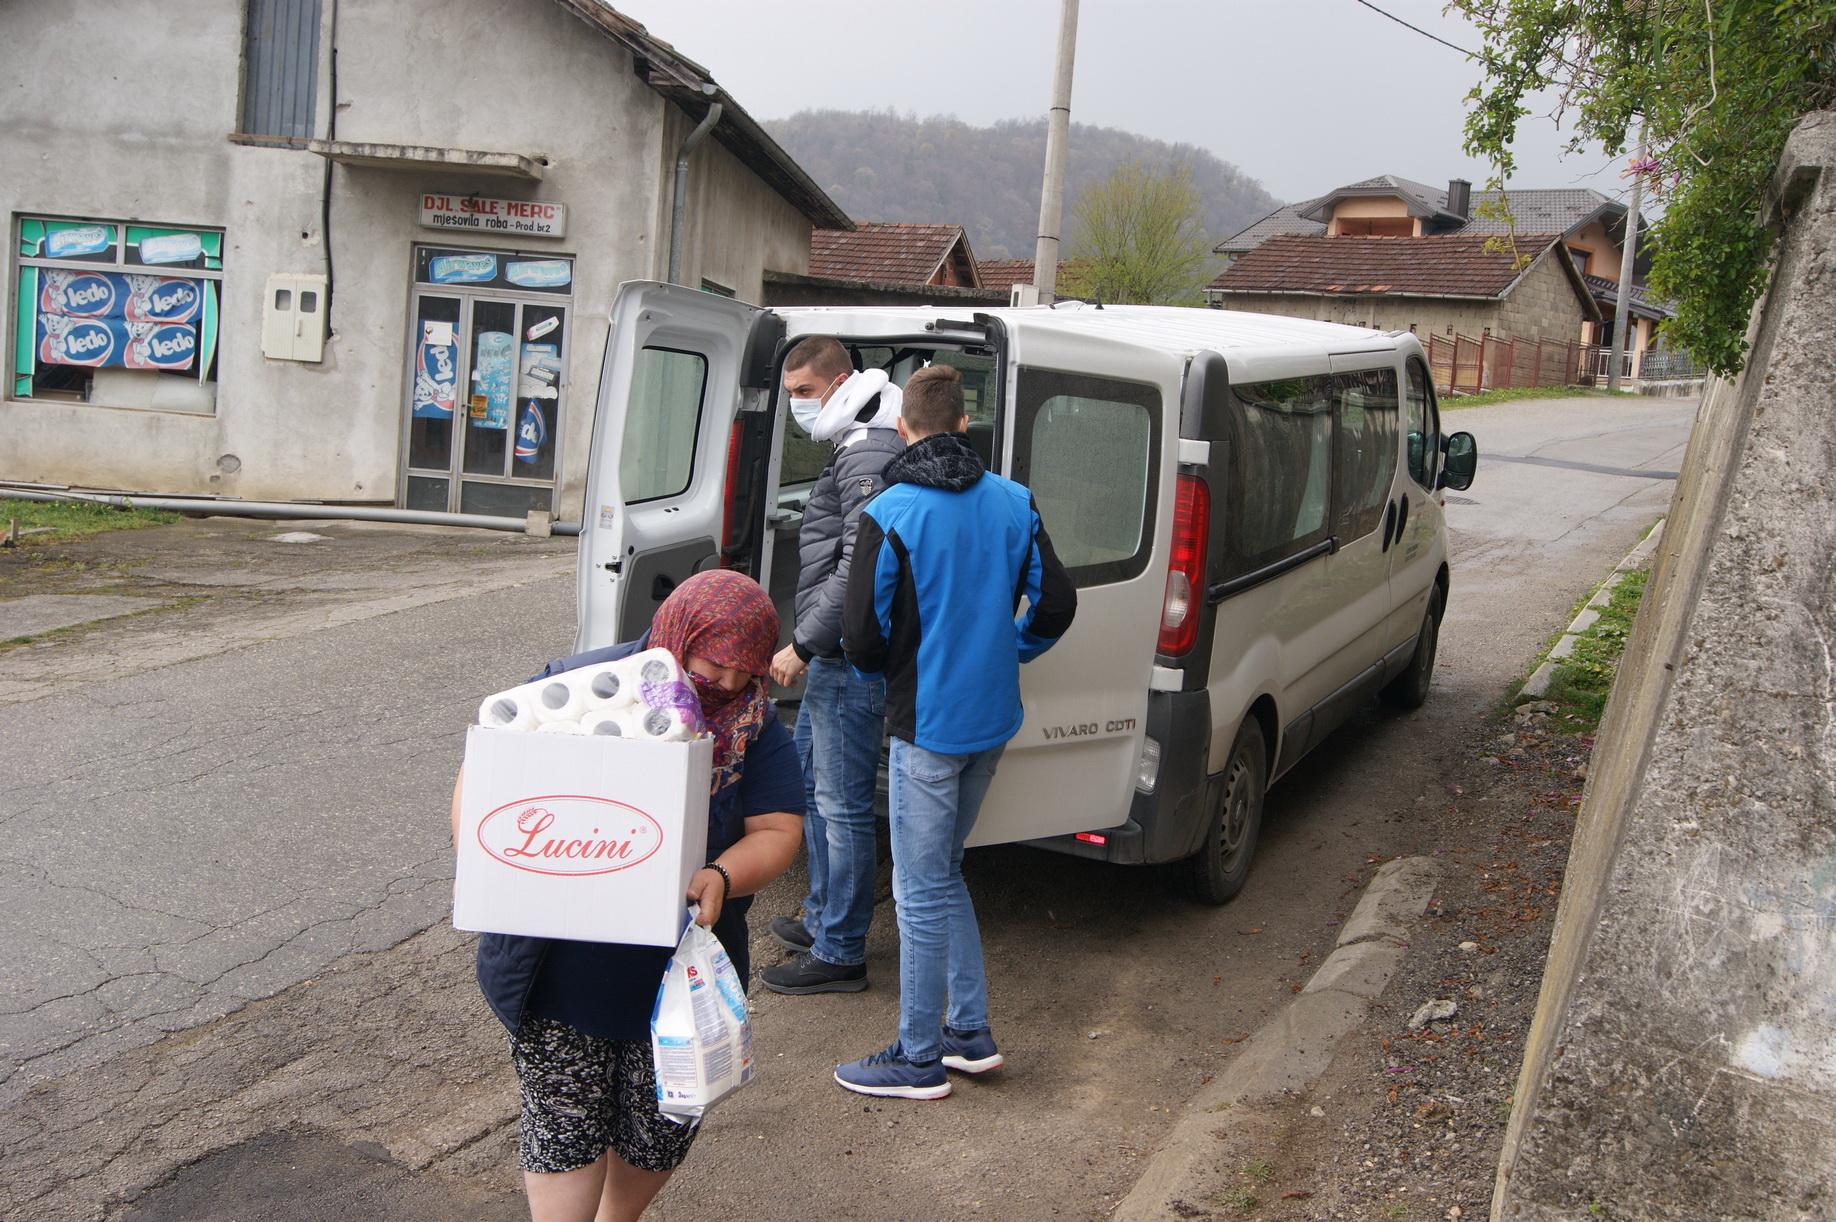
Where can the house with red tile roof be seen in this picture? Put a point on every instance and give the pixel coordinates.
(1367, 233)
(1443, 284)
(885, 263)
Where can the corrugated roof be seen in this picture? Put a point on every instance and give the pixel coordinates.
(1456, 265)
(883, 252)
(1534, 210)
(691, 87)
(1285, 219)
(1640, 303)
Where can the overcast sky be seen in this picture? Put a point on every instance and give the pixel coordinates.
(1302, 94)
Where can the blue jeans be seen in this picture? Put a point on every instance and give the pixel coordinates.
(839, 729)
(935, 799)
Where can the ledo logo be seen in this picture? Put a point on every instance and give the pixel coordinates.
(570, 834)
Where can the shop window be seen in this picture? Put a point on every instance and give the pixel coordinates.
(117, 314)
(280, 68)
(662, 419)
(1088, 448)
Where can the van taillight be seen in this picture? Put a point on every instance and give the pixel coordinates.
(730, 507)
(1179, 613)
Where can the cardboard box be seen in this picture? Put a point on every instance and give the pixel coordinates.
(591, 838)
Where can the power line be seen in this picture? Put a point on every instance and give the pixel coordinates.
(1418, 29)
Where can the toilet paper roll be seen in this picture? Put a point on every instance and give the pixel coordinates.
(664, 725)
(656, 667)
(562, 698)
(606, 721)
(560, 727)
(507, 711)
(608, 685)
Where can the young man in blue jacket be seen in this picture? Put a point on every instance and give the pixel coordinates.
(942, 559)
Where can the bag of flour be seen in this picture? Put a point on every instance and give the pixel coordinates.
(700, 1037)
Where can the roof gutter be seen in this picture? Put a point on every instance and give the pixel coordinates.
(678, 207)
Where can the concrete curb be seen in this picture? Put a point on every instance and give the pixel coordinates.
(1292, 1050)
(1537, 685)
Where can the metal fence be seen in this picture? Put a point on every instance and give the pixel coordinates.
(1464, 365)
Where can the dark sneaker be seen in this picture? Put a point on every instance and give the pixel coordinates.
(971, 1051)
(890, 1076)
(808, 974)
(791, 934)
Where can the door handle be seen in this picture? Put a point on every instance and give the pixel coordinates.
(1402, 517)
(1389, 524)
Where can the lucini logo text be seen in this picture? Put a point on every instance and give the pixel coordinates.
(569, 834)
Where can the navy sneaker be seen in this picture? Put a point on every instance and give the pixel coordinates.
(971, 1051)
(890, 1076)
(791, 934)
(807, 974)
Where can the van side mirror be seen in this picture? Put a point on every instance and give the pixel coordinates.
(1459, 462)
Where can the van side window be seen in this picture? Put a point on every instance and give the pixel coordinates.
(1423, 426)
(662, 420)
(1279, 485)
(1364, 451)
(1089, 448)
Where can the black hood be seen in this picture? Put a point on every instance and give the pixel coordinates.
(942, 460)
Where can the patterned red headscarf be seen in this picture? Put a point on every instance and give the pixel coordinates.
(728, 619)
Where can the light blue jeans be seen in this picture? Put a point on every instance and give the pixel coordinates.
(840, 726)
(935, 799)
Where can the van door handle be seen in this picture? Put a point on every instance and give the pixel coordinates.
(1389, 524)
(1402, 517)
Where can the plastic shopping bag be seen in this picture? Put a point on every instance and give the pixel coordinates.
(700, 1037)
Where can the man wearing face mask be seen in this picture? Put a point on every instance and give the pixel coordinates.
(842, 720)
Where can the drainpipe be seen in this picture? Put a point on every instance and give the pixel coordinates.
(679, 204)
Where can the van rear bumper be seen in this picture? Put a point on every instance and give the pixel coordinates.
(1169, 823)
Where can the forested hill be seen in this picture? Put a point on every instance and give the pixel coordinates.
(882, 166)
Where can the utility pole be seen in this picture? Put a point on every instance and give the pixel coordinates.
(1628, 249)
(1058, 135)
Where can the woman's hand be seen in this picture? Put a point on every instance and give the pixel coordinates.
(707, 888)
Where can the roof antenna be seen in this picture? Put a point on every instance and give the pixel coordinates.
(1099, 300)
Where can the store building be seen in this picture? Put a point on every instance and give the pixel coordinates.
(357, 252)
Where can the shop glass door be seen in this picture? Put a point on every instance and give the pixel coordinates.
(488, 353)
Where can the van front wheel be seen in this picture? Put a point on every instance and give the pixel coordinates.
(1409, 690)
(1219, 870)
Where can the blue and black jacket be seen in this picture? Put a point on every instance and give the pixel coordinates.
(942, 560)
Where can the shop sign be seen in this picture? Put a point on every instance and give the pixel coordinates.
(95, 342)
(529, 217)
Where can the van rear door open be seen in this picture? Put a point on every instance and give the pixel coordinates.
(669, 393)
(1093, 430)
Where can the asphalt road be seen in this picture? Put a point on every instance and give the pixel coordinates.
(215, 830)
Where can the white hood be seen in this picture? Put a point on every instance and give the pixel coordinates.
(837, 421)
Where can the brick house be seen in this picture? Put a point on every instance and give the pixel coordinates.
(1444, 284)
(885, 263)
(1588, 225)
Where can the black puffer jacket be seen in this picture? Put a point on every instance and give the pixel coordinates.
(825, 543)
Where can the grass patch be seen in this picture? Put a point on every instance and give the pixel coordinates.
(1584, 678)
(1454, 403)
(67, 520)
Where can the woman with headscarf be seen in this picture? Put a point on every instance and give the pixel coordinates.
(594, 1145)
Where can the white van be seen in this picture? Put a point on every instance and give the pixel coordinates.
(1250, 507)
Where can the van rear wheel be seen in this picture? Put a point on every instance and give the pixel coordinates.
(1218, 871)
(1409, 690)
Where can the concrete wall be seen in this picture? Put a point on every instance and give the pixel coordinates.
(1428, 315)
(141, 139)
(1682, 1062)
(1543, 305)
